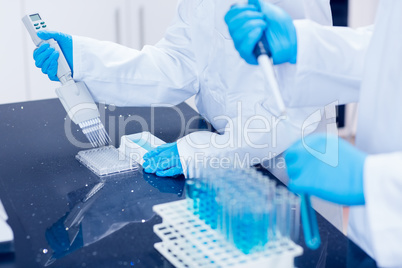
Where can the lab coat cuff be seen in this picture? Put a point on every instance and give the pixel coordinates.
(194, 150)
(78, 42)
(185, 153)
(81, 46)
(382, 189)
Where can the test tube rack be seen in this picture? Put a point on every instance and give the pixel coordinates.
(187, 241)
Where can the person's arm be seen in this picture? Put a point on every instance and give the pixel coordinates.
(246, 141)
(383, 194)
(316, 64)
(330, 65)
(334, 170)
(164, 73)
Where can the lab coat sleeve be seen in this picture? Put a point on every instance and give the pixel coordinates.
(330, 65)
(164, 73)
(383, 195)
(245, 141)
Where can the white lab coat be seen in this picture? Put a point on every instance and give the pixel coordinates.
(361, 65)
(197, 56)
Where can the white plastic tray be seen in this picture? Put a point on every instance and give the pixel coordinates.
(106, 161)
(188, 242)
(109, 161)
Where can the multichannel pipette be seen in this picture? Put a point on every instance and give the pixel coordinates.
(75, 97)
(264, 58)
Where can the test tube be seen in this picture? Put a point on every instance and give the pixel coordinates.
(216, 207)
(231, 224)
(270, 195)
(196, 196)
(189, 192)
(258, 206)
(228, 204)
(203, 199)
(294, 217)
(281, 213)
(236, 224)
(245, 226)
(269, 213)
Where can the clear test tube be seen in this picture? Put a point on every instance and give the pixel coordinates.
(223, 192)
(205, 196)
(212, 207)
(270, 196)
(244, 226)
(203, 199)
(257, 206)
(231, 206)
(281, 200)
(235, 217)
(219, 188)
(252, 219)
(252, 224)
(189, 188)
(189, 192)
(196, 196)
(214, 184)
(260, 226)
(265, 205)
(294, 217)
(228, 205)
(231, 220)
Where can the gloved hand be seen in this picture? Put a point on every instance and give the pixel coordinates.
(246, 26)
(46, 57)
(342, 184)
(164, 161)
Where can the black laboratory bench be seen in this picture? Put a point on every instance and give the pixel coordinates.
(42, 185)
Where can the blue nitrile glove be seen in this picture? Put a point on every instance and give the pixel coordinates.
(46, 57)
(246, 26)
(164, 161)
(342, 184)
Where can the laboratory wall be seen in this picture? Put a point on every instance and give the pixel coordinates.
(128, 22)
(362, 12)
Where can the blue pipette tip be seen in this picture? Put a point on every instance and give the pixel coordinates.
(310, 225)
